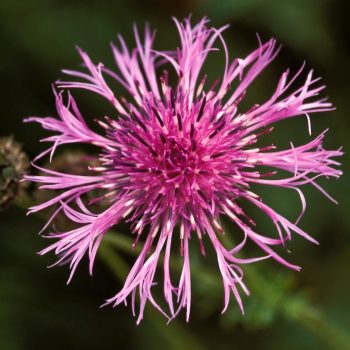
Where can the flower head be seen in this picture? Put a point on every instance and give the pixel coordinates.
(14, 164)
(180, 155)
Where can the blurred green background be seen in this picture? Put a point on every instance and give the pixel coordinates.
(287, 310)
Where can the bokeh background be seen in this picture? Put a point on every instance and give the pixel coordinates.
(287, 310)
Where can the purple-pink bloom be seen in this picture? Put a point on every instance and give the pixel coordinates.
(181, 156)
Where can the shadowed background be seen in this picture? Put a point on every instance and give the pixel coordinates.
(38, 310)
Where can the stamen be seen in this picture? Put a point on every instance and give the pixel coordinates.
(172, 99)
(201, 110)
(217, 155)
(194, 145)
(138, 121)
(155, 112)
(201, 85)
(179, 122)
(162, 137)
(192, 131)
(240, 98)
(252, 109)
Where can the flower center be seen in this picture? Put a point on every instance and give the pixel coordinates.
(180, 159)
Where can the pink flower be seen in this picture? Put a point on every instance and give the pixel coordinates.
(181, 156)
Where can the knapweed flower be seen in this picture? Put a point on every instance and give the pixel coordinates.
(174, 158)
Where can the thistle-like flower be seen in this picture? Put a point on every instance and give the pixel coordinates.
(180, 156)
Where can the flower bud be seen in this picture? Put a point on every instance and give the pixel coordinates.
(14, 163)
